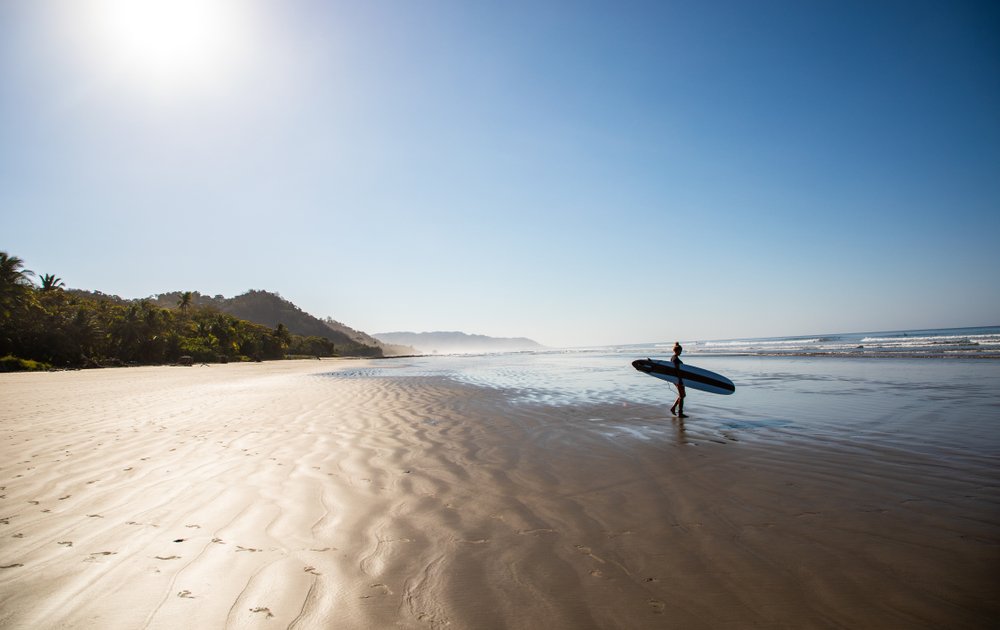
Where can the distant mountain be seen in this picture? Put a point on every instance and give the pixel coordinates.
(270, 309)
(457, 342)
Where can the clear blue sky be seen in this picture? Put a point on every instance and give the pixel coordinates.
(575, 172)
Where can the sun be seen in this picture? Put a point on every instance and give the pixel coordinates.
(169, 43)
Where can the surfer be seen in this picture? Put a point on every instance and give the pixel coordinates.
(678, 407)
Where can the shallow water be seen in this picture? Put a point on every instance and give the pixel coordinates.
(941, 407)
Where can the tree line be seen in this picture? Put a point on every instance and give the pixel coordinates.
(45, 325)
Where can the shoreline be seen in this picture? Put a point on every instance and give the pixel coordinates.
(287, 495)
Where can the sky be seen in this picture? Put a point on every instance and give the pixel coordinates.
(580, 173)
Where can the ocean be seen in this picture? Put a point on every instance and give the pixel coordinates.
(980, 342)
(932, 391)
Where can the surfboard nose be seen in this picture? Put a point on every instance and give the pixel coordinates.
(642, 365)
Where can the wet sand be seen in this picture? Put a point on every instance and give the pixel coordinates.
(271, 496)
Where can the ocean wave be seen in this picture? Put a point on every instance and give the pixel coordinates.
(976, 342)
(992, 340)
(759, 342)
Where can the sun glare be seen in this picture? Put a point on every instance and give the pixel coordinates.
(170, 43)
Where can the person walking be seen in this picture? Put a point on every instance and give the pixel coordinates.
(678, 407)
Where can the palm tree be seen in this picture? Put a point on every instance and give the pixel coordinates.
(51, 283)
(185, 302)
(15, 287)
(12, 271)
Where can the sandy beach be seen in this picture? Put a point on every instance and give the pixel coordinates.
(278, 496)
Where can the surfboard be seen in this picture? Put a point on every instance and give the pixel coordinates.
(693, 377)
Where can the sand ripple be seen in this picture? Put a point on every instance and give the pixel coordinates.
(272, 496)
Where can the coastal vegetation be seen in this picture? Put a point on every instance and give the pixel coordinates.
(48, 326)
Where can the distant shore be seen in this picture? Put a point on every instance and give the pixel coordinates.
(313, 494)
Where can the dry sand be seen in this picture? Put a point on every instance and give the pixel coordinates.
(247, 496)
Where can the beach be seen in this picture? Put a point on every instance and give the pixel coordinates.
(377, 494)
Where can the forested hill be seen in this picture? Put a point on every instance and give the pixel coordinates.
(47, 325)
(270, 309)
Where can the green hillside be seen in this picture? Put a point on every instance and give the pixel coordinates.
(270, 309)
(47, 325)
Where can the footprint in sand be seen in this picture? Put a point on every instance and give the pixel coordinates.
(657, 606)
(185, 594)
(587, 551)
(96, 556)
(261, 609)
(168, 557)
(67, 543)
(379, 586)
(250, 549)
(311, 570)
(536, 531)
